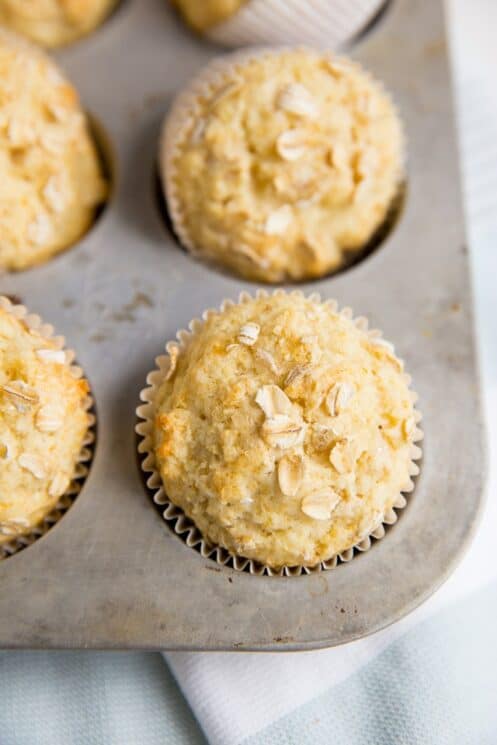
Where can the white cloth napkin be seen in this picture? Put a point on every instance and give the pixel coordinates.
(232, 695)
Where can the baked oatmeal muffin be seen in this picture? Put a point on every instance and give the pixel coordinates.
(43, 423)
(206, 13)
(53, 23)
(51, 180)
(284, 430)
(282, 164)
(235, 23)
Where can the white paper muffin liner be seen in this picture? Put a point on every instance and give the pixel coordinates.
(327, 23)
(186, 108)
(82, 467)
(182, 525)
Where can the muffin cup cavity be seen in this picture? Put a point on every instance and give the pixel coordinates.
(107, 156)
(182, 525)
(83, 464)
(185, 110)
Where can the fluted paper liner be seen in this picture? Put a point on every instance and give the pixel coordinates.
(186, 108)
(182, 525)
(81, 470)
(329, 23)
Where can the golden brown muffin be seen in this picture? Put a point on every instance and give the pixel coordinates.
(323, 24)
(51, 180)
(281, 166)
(284, 430)
(202, 14)
(43, 422)
(53, 23)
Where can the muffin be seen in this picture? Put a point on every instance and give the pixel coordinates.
(51, 180)
(43, 422)
(203, 14)
(282, 429)
(330, 23)
(281, 165)
(53, 23)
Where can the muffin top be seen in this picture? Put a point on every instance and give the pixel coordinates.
(283, 430)
(50, 174)
(53, 23)
(43, 422)
(283, 164)
(202, 14)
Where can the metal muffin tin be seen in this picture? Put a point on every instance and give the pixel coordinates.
(111, 574)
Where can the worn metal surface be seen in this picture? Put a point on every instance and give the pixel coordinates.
(111, 574)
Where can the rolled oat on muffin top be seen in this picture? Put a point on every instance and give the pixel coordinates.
(53, 23)
(281, 164)
(51, 179)
(43, 423)
(283, 430)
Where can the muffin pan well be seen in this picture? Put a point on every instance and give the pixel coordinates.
(234, 124)
(111, 574)
(55, 438)
(271, 501)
